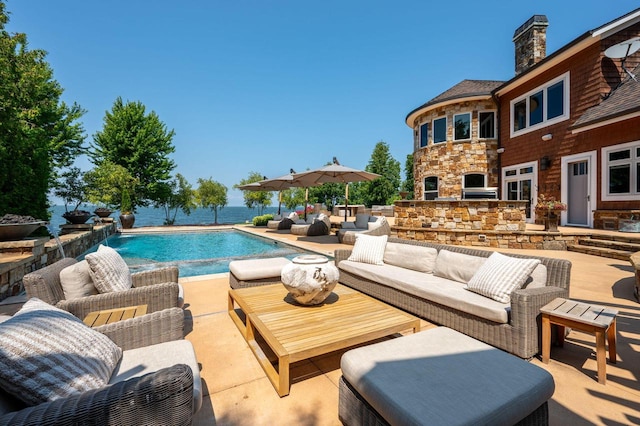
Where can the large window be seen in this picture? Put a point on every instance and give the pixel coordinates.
(440, 130)
(487, 125)
(462, 126)
(541, 107)
(430, 188)
(424, 134)
(621, 172)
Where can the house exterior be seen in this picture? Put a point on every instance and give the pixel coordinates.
(568, 128)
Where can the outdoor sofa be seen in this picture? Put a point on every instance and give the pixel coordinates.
(430, 281)
(364, 223)
(155, 380)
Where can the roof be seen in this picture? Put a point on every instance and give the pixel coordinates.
(623, 100)
(462, 90)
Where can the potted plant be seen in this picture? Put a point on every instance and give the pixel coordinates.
(109, 187)
(71, 187)
(127, 218)
(550, 208)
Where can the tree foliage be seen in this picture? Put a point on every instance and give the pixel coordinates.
(253, 199)
(408, 184)
(211, 195)
(175, 195)
(293, 197)
(72, 188)
(384, 190)
(140, 143)
(328, 194)
(106, 184)
(39, 134)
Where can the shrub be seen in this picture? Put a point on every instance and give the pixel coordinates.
(262, 220)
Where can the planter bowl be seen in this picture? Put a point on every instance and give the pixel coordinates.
(77, 219)
(17, 231)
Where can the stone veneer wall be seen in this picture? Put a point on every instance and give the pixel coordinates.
(18, 258)
(451, 160)
(610, 219)
(482, 223)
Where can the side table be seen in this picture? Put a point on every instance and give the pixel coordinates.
(585, 317)
(108, 316)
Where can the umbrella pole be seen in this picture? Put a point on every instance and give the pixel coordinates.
(306, 200)
(279, 201)
(346, 201)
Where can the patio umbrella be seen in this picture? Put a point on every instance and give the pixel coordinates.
(275, 184)
(334, 173)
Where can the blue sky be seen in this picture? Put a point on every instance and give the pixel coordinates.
(268, 86)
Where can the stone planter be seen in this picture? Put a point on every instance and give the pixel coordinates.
(77, 217)
(127, 220)
(18, 231)
(102, 212)
(310, 279)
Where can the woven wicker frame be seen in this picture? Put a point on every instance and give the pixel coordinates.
(234, 282)
(521, 336)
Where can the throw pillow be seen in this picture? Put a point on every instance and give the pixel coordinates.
(47, 354)
(108, 270)
(377, 223)
(76, 281)
(348, 225)
(361, 220)
(409, 256)
(457, 266)
(293, 216)
(369, 249)
(500, 275)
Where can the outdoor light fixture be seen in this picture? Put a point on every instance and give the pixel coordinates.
(545, 163)
(500, 150)
(547, 137)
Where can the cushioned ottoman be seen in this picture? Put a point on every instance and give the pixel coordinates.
(255, 272)
(441, 377)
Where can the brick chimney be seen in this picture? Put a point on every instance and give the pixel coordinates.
(530, 41)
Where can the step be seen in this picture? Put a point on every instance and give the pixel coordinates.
(612, 244)
(623, 238)
(601, 251)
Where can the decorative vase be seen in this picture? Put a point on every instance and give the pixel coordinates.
(127, 220)
(551, 222)
(310, 279)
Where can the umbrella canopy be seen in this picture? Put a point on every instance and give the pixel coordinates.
(276, 184)
(334, 173)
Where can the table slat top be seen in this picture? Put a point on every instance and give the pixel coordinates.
(587, 313)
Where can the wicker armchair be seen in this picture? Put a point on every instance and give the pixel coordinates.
(169, 395)
(348, 236)
(158, 289)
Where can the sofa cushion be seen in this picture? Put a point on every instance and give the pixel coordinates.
(256, 269)
(417, 258)
(348, 225)
(108, 270)
(47, 354)
(361, 221)
(76, 281)
(538, 277)
(457, 266)
(429, 287)
(148, 359)
(293, 216)
(377, 222)
(500, 275)
(369, 249)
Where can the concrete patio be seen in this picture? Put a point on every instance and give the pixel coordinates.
(238, 391)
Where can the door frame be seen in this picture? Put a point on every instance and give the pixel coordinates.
(591, 157)
(534, 184)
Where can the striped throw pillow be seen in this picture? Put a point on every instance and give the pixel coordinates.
(108, 270)
(47, 354)
(500, 275)
(369, 249)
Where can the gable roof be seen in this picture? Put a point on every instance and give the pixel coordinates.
(464, 90)
(622, 102)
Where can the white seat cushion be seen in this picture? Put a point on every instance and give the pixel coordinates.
(255, 269)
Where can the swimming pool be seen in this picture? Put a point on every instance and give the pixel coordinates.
(195, 253)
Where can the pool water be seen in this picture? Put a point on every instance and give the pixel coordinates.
(195, 253)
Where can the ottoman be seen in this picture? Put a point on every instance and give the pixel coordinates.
(255, 272)
(441, 377)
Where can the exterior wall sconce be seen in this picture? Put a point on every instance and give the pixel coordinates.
(545, 163)
(547, 137)
(500, 150)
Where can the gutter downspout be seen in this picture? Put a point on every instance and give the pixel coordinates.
(497, 101)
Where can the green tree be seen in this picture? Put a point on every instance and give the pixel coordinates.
(328, 193)
(72, 188)
(106, 184)
(175, 195)
(293, 197)
(211, 195)
(383, 190)
(39, 134)
(140, 143)
(408, 183)
(253, 199)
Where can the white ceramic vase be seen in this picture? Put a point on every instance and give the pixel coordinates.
(310, 278)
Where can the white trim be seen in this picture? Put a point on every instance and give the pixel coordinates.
(433, 129)
(411, 118)
(526, 96)
(517, 178)
(633, 160)
(591, 157)
(617, 25)
(606, 122)
(424, 191)
(495, 124)
(453, 126)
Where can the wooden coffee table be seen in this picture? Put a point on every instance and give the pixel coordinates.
(108, 316)
(295, 332)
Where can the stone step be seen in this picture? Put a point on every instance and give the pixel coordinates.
(623, 238)
(612, 244)
(601, 251)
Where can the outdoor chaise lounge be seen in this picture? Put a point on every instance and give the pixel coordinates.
(364, 223)
(158, 289)
(319, 225)
(136, 371)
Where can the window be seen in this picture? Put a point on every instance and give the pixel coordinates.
(621, 172)
(541, 107)
(440, 130)
(474, 180)
(487, 125)
(424, 134)
(462, 126)
(430, 188)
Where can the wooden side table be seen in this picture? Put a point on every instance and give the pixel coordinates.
(585, 317)
(108, 316)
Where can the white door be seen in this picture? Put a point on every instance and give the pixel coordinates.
(578, 193)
